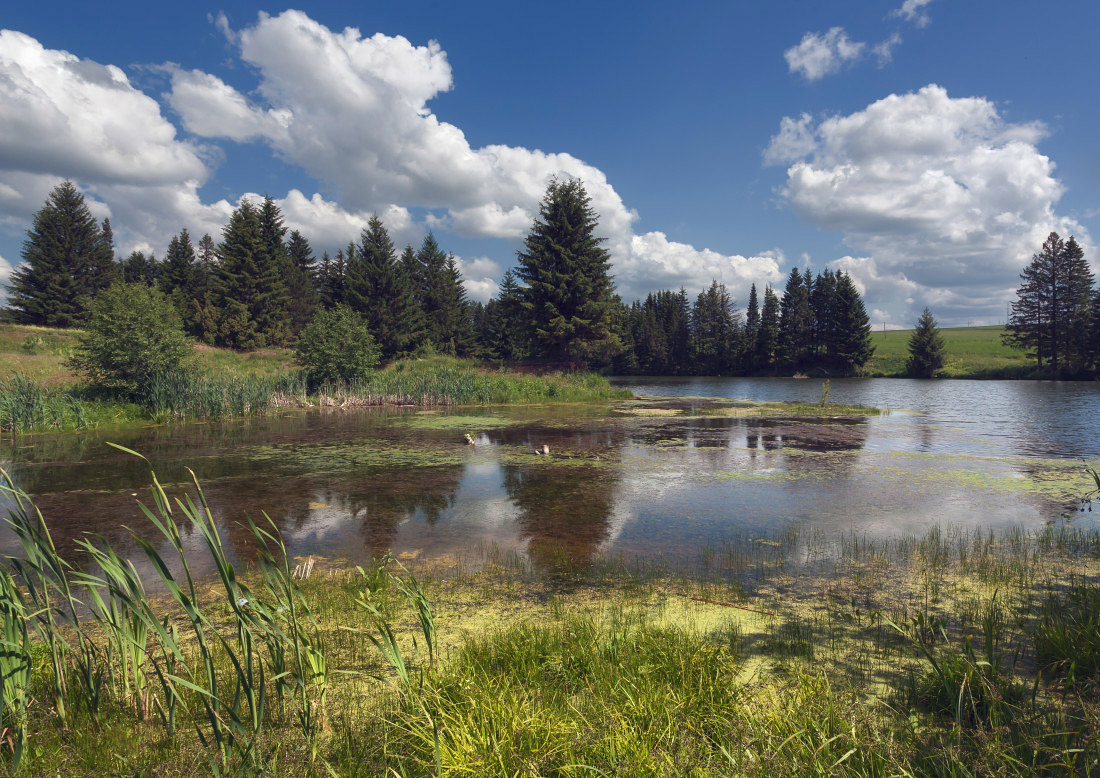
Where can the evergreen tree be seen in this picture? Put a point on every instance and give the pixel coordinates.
(139, 269)
(177, 280)
(795, 322)
(240, 288)
(205, 314)
(752, 327)
(300, 282)
(378, 289)
(506, 324)
(821, 304)
(568, 291)
(714, 331)
(849, 345)
(65, 261)
(767, 337)
(925, 348)
(1053, 306)
(108, 238)
(275, 270)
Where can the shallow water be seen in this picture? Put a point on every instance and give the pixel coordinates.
(627, 479)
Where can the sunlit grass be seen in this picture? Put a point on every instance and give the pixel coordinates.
(969, 352)
(794, 654)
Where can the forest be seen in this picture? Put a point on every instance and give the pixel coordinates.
(260, 284)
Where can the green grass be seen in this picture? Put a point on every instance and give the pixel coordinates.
(943, 654)
(37, 392)
(969, 352)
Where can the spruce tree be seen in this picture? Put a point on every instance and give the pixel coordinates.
(205, 314)
(139, 268)
(795, 322)
(714, 331)
(568, 290)
(507, 323)
(65, 262)
(428, 281)
(767, 337)
(274, 264)
(1053, 306)
(240, 282)
(752, 327)
(925, 348)
(378, 288)
(849, 345)
(301, 285)
(821, 304)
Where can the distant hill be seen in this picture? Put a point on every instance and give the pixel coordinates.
(970, 352)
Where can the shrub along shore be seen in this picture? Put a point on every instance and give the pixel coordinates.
(39, 393)
(960, 652)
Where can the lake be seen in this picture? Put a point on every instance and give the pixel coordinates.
(621, 480)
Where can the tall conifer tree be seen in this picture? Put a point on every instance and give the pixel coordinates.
(568, 293)
(378, 289)
(65, 261)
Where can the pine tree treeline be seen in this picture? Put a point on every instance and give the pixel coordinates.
(1056, 315)
(260, 286)
(817, 324)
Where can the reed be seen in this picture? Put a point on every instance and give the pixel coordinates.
(793, 654)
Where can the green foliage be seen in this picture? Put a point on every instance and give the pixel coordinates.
(715, 332)
(133, 334)
(378, 288)
(337, 347)
(925, 348)
(66, 260)
(767, 336)
(249, 291)
(1051, 317)
(796, 321)
(568, 297)
(1066, 635)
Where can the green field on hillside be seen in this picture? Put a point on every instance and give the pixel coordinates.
(970, 352)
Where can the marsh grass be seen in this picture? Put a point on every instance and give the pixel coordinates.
(27, 404)
(959, 652)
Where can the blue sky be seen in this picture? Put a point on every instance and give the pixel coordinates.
(926, 146)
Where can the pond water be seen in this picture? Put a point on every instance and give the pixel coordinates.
(637, 479)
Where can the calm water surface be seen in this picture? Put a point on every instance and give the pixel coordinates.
(619, 480)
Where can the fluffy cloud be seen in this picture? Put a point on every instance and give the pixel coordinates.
(61, 112)
(817, 55)
(913, 11)
(946, 199)
(352, 111)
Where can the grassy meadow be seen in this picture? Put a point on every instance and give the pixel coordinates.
(37, 391)
(970, 352)
(959, 652)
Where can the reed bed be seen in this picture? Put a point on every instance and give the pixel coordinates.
(448, 381)
(958, 652)
(27, 405)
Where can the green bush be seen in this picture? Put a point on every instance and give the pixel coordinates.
(337, 347)
(132, 335)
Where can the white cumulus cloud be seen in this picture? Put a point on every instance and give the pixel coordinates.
(820, 54)
(945, 199)
(352, 111)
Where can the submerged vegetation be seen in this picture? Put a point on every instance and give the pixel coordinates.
(959, 652)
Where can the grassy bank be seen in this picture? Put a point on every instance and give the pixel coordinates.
(38, 393)
(955, 653)
(970, 352)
